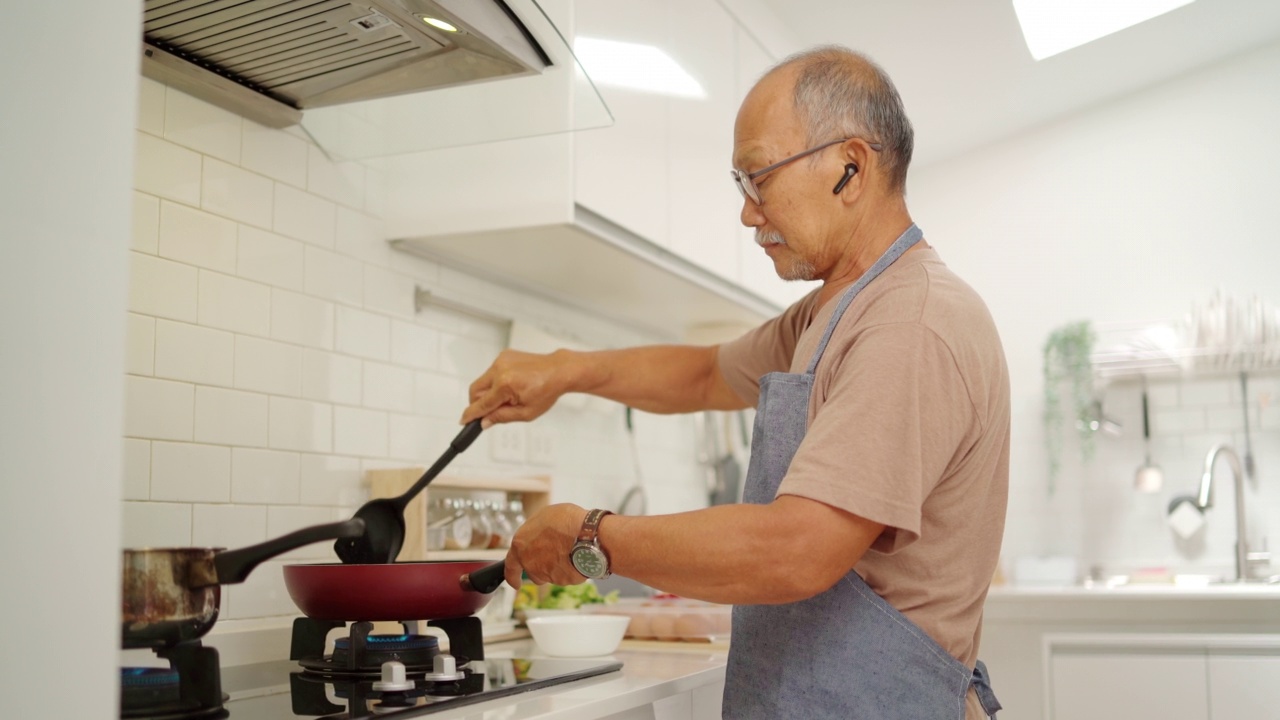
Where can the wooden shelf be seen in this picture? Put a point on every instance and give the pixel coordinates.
(534, 492)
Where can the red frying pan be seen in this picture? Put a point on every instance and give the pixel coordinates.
(392, 591)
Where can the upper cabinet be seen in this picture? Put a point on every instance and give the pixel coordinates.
(638, 220)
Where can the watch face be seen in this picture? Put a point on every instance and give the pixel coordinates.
(590, 562)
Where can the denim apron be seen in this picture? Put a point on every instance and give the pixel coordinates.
(845, 653)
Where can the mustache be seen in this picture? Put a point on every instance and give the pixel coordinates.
(769, 237)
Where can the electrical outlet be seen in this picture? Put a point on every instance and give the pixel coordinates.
(507, 442)
(542, 446)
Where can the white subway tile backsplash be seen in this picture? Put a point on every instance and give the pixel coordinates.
(375, 192)
(333, 277)
(155, 525)
(193, 353)
(159, 409)
(151, 106)
(419, 439)
(236, 194)
(264, 476)
(1178, 421)
(414, 346)
(303, 216)
(363, 334)
(363, 237)
(441, 396)
(268, 366)
(357, 431)
(162, 288)
(205, 128)
(283, 519)
(343, 183)
(140, 345)
(230, 303)
(300, 319)
(187, 472)
(137, 469)
(197, 238)
(466, 357)
(167, 170)
(262, 594)
(269, 258)
(146, 223)
(387, 387)
(274, 153)
(328, 377)
(331, 481)
(228, 526)
(1205, 392)
(388, 292)
(1227, 418)
(301, 425)
(231, 417)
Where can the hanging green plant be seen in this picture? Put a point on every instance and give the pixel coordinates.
(1067, 365)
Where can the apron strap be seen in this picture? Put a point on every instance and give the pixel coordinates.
(982, 686)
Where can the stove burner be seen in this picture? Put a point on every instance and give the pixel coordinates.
(412, 650)
(189, 689)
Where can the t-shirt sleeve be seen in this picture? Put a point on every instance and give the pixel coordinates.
(894, 411)
(768, 348)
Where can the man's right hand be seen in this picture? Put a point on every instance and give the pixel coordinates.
(518, 386)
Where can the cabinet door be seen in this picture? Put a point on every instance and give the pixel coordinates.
(1116, 686)
(702, 199)
(755, 269)
(621, 171)
(707, 701)
(1244, 686)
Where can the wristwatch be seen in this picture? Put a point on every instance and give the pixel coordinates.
(587, 555)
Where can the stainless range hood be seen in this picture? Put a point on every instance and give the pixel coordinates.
(273, 61)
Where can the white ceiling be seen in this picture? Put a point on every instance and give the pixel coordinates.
(967, 78)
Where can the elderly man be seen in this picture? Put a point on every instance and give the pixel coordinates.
(875, 498)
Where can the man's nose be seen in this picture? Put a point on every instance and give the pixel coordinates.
(751, 214)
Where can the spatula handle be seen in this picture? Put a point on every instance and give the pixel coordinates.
(463, 441)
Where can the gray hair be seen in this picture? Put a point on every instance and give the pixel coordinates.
(841, 93)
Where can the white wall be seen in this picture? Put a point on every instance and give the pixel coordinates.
(64, 220)
(1128, 212)
(274, 353)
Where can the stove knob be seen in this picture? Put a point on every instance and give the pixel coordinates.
(443, 669)
(393, 678)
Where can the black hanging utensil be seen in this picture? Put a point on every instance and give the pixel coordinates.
(384, 517)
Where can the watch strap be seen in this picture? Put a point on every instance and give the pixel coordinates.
(591, 526)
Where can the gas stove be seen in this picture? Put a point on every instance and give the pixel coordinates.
(341, 671)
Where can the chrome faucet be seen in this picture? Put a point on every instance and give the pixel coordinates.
(1204, 499)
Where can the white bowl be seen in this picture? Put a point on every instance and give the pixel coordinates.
(578, 635)
(531, 613)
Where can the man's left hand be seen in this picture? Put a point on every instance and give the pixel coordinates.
(541, 547)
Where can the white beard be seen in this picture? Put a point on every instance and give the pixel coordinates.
(797, 268)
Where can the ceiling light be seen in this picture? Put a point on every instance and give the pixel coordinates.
(438, 23)
(1054, 26)
(635, 67)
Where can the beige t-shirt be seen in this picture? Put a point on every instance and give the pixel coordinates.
(909, 427)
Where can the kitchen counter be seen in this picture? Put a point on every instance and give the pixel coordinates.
(654, 683)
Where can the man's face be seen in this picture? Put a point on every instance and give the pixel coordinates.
(794, 222)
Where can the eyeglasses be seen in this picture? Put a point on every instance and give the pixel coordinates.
(746, 182)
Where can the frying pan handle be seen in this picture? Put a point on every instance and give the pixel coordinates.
(465, 437)
(234, 566)
(486, 579)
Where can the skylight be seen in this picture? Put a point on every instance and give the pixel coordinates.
(1054, 26)
(635, 67)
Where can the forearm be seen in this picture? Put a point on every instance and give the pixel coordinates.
(654, 378)
(745, 554)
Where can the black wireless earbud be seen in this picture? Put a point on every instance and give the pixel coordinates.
(849, 171)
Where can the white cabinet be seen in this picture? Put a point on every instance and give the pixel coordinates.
(1122, 686)
(1244, 686)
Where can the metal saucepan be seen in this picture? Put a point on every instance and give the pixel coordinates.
(392, 591)
(172, 595)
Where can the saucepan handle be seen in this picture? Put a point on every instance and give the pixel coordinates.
(234, 566)
(486, 579)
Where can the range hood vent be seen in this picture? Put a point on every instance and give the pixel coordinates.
(271, 59)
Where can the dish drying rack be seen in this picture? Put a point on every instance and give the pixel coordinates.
(1224, 335)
